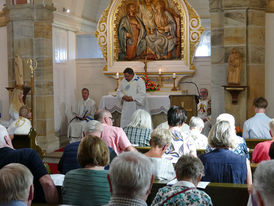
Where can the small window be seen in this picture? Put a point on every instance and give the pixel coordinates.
(204, 48)
(87, 47)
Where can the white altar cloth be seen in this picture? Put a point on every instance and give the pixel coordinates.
(156, 104)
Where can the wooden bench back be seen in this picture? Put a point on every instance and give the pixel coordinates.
(251, 143)
(225, 194)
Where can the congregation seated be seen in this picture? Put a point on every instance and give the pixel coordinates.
(115, 137)
(139, 129)
(88, 185)
(261, 150)
(196, 125)
(45, 190)
(130, 179)
(181, 142)
(16, 185)
(83, 113)
(221, 164)
(239, 142)
(22, 125)
(189, 171)
(159, 142)
(69, 159)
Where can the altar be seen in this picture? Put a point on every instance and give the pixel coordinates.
(157, 106)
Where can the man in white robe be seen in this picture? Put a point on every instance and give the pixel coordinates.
(132, 92)
(84, 112)
(22, 125)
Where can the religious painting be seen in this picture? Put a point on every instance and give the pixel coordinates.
(149, 34)
(149, 29)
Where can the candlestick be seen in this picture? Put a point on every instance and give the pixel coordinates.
(117, 84)
(160, 71)
(174, 79)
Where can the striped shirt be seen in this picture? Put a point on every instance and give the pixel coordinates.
(86, 187)
(139, 136)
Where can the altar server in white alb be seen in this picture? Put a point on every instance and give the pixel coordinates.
(84, 112)
(132, 92)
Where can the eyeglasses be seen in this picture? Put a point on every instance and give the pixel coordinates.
(112, 119)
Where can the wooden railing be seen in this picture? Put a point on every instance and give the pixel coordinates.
(251, 143)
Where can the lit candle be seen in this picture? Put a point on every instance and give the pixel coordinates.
(117, 75)
(174, 75)
(160, 71)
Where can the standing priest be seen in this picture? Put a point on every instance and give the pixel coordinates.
(132, 92)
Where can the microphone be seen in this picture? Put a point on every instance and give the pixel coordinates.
(197, 97)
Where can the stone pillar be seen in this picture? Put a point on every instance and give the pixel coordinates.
(217, 58)
(269, 60)
(30, 36)
(243, 28)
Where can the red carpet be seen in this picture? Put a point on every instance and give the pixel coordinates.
(53, 167)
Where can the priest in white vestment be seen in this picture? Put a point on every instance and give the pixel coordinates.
(85, 111)
(132, 92)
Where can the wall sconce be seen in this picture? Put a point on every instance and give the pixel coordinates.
(66, 10)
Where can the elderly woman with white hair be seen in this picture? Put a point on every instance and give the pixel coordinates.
(196, 125)
(159, 142)
(139, 129)
(239, 142)
(189, 171)
(221, 164)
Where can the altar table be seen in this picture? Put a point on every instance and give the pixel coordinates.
(156, 104)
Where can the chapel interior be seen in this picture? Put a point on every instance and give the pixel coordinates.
(60, 35)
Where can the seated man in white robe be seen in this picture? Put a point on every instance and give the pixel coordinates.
(22, 125)
(84, 112)
(132, 92)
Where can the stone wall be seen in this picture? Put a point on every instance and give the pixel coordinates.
(237, 24)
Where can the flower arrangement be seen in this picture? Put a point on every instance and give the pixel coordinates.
(150, 85)
(239, 131)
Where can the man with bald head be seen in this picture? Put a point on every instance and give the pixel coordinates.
(115, 137)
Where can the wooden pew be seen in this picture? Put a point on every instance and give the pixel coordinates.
(253, 167)
(200, 152)
(142, 149)
(222, 194)
(251, 143)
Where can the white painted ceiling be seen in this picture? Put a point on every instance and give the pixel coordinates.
(91, 10)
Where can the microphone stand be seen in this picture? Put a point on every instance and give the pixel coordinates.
(197, 97)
